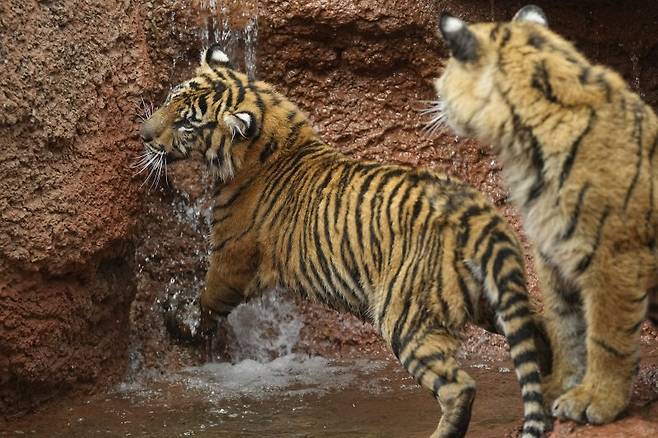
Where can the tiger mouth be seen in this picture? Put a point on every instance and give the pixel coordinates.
(150, 149)
(170, 158)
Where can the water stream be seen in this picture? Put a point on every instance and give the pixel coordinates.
(234, 25)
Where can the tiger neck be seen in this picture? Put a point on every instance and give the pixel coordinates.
(296, 137)
(529, 174)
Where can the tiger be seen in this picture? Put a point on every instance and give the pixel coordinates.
(577, 149)
(415, 253)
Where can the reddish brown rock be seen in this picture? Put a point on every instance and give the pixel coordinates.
(68, 89)
(642, 423)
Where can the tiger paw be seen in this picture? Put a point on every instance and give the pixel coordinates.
(554, 385)
(586, 405)
(208, 324)
(176, 312)
(186, 321)
(551, 389)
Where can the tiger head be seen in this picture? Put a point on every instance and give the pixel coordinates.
(232, 120)
(498, 70)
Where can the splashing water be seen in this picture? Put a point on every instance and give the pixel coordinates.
(286, 376)
(265, 328)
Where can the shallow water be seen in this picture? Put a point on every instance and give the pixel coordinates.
(292, 396)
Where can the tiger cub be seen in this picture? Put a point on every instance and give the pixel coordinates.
(415, 253)
(578, 153)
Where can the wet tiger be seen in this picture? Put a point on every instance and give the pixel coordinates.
(415, 253)
(578, 153)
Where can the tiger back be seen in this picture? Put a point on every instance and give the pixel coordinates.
(415, 253)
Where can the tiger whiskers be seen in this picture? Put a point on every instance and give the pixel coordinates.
(166, 172)
(156, 172)
(435, 111)
(150, 157)
(154, 160)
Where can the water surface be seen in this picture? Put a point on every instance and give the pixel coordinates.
(291, 396)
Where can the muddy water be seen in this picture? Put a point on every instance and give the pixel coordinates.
(292, 396)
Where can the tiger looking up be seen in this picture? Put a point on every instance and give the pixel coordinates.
(415, 253)
(577, 148)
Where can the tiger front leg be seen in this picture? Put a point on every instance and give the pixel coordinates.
(231, 279)
(565, 328)
(429, 358)
(615, 302)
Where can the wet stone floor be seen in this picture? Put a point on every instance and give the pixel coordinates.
(292, 396)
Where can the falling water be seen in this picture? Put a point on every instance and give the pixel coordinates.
(268, 327)
(234, 25)
(164, 259)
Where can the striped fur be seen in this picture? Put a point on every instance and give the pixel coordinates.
(415, 253)
(578, 152)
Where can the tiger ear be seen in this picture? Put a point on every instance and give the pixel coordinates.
(531, 14)
(241, 123)
(462, 42)
(214, 56)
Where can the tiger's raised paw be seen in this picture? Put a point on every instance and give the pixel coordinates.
(208, 324)
(585, 405)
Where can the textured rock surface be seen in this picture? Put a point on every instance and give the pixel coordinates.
(67, 206)
(78, 237)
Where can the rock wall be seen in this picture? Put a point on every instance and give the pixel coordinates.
(88, 259)
(68, 206)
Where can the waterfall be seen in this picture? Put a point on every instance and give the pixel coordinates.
(268, 327)
(234, 25)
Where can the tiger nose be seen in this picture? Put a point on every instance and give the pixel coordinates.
(147, 131)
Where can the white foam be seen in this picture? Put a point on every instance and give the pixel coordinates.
(286, 376)
(265, 328)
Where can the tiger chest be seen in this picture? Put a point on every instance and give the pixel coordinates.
(543, 220)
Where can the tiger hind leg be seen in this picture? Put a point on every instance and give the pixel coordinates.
(429, 358)
(615, 300)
